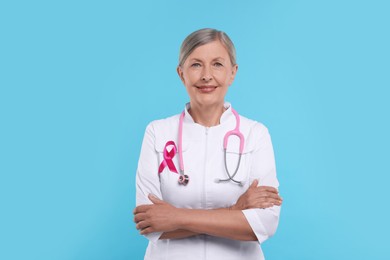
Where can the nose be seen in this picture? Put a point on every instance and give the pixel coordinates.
(207, 75)
(205, 78)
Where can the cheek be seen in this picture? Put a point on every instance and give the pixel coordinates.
(192, 76)
(224, 77)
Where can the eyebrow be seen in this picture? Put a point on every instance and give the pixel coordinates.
(218, 58)
(195, 59)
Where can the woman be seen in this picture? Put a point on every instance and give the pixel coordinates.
(197, 193)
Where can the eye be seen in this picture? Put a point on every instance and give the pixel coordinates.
(195, 65)
(218, 64)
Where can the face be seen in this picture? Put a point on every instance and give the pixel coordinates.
(207, 73)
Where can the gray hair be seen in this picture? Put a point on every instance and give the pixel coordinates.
(202, 37)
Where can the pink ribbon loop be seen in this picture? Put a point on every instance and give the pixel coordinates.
(168, 156)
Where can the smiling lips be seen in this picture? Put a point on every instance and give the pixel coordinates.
(206, 89)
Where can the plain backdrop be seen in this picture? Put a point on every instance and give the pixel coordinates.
(80, 80)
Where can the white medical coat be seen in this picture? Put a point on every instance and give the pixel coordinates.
(204, 163)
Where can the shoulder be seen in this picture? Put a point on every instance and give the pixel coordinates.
(162, 130)
(161, 125)
(256, 133)
(253, 126)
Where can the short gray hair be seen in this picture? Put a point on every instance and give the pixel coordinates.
(202, 37)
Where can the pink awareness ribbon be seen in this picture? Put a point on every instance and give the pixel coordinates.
(168, 156)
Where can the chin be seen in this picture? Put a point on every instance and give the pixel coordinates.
(209, 101)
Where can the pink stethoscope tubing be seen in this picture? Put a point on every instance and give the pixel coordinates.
(183, 179)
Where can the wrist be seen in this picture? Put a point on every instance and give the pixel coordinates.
(180, 216)
(234, 207)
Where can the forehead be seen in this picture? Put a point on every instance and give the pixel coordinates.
(210, 50)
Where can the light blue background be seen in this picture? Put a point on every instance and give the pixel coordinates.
(80, 80)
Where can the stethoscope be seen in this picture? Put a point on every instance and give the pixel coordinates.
(183, 178)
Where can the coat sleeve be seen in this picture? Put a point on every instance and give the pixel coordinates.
(263, 222)
(147, 179)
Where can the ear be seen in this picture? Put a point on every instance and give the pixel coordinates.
(180, 73)
(233, 75)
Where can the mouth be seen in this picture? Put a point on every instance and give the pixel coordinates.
(206, 89)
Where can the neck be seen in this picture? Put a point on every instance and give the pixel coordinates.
(206, 115)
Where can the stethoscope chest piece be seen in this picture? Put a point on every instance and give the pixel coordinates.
(183, 179)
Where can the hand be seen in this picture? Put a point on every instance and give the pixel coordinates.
(258, 197)
(157, 217)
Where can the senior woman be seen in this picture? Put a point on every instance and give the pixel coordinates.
(206, 185)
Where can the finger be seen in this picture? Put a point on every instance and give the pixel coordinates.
(271, 199)
(268, 188)
(263, 203)
(268, 203)
(271, 195)
(154, 199)
(140, 217)
(264, 194)
(141, 209)
(142, 225)
(146, 231)
(274, 201)
(254, 184)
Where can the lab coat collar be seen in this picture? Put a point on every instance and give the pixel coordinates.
(228, 114)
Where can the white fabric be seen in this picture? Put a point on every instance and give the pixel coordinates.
(203, 162)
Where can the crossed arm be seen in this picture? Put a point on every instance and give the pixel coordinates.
(230, 222)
